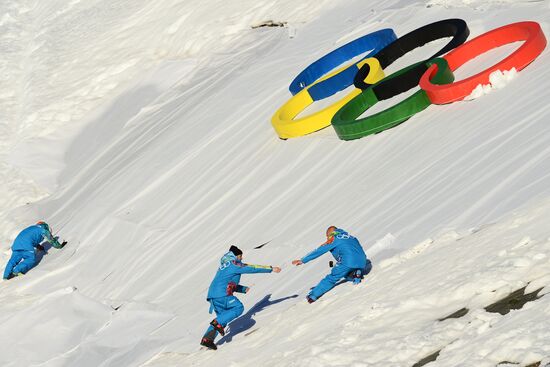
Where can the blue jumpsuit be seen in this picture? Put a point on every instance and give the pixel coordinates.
(350, 257)
(23, 258)
(220, 294)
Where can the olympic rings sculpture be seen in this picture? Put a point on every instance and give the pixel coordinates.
(434, 76)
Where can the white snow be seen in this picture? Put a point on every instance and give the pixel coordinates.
(141, 132)
(497, 80)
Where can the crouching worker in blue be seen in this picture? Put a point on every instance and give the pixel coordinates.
(220, 294)
(351, 261)
(23, 257)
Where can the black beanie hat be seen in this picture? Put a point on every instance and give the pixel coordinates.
(235, 250)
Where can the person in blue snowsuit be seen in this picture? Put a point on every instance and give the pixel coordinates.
(351, 261)
(23, 257)
(220, 294)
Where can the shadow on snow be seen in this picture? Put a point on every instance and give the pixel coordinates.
(246, 321)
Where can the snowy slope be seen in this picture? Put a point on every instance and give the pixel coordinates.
(142, 133)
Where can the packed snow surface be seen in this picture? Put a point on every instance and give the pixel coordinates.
(141, 132)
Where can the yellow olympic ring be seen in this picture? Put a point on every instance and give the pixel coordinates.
(287, 126)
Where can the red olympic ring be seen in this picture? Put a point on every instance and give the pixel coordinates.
(534, 43)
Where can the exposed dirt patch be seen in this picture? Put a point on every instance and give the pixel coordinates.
(536, 364)
(268, 23)
(455, 315)
(432, 357)
(514, 301)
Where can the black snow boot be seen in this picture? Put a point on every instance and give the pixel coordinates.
(208, 340)
(218, 327)
(208, 343)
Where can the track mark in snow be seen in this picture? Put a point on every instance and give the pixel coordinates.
(407, 255)
(250, 332)
(166, 359)
(524, 241)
